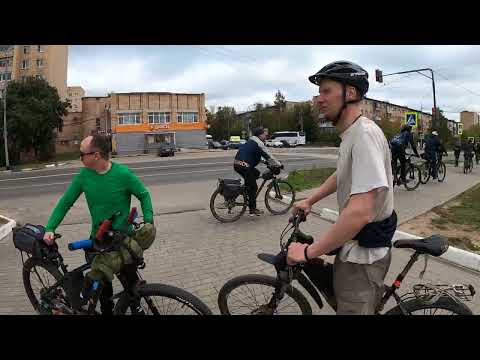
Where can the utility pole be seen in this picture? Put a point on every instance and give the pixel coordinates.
(5, 133)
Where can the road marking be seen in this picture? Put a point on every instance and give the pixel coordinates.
(132, 168)
(140, 176)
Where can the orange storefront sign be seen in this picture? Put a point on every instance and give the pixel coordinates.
(158, 127)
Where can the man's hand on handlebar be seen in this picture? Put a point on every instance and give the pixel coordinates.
(50, 237)
(296, 253)
(302, 205)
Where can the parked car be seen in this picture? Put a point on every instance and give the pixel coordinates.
(225, 144)
(216, 145)
(286, 144)
(273, 143)
(166, 149)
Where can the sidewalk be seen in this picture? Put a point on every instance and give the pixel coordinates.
(409, 204)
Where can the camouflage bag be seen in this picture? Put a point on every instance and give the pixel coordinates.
(145, 236)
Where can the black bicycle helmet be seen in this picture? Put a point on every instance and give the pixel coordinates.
(258, 131)
(345, 72)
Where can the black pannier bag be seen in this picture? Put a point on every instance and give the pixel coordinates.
(231, 188)
(29, 239)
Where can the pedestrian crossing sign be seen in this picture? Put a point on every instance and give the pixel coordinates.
(411, 118)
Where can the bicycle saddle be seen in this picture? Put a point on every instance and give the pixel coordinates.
(434, 245)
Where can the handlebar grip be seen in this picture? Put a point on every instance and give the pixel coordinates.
(80, 244)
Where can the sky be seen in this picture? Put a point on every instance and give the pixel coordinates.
(242, 75)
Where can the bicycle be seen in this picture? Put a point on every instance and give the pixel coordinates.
(413, 174)
(58, 292)
(230, 195)
(468, 163)
(426, 170)
(275, 294)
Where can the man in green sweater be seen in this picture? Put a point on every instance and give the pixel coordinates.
(108, 187)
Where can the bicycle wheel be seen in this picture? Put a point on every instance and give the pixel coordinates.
(414, 176)
(227, 210)
(425, 171)
(279, 197)
(159, 299)
(441, 171)
(445, 305)
(250, 295)
(37, 277)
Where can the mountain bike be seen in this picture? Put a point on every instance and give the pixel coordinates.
(54, 290)
(413, 174)
(229, 201)
(427, 171)
(258, 294)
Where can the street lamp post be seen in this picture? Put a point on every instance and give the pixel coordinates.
(5, 133)
(379, 77)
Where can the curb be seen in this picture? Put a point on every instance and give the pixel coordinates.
(453, 255)
(7, 228)
(36, 168)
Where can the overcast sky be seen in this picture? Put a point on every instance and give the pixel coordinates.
(240, 76)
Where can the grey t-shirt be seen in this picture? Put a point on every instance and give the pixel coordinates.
(364, 164)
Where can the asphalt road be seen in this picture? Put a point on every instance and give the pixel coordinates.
(29, 184)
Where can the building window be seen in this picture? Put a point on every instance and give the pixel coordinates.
(158, 117)
(39, 62)
(5, 76)
(24, 64)
(97, 123)
(187, 117)
(4, 63)
(129, 118)
(41, 48)
(25, 49)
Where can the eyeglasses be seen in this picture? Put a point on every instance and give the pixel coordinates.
(82, 154)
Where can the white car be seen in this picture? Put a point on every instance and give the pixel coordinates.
(273, 143)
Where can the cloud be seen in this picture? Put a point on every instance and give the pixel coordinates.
(240, 76)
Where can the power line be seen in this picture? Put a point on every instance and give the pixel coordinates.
(459, 86)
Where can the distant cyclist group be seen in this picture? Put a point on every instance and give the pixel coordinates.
(434, 150)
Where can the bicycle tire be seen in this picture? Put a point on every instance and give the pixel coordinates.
(26, 273)
(425, 171)
(166, 291)
(441, 165)
(259, 279)
(267, 192)
(223, 219)
(412, 169)
(444, 303)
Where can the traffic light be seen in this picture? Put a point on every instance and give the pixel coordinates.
(379, 76)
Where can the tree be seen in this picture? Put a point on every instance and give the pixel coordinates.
(443, 131)
(34, 110)
(280, 100)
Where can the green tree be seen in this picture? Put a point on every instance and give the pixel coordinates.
(280, 100)
(34, 110)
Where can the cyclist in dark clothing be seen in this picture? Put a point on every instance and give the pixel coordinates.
(468, 149)
(457, 148)
(398, 145)
(477, 151)
(246, 160)
(441, 151)
(433, 146)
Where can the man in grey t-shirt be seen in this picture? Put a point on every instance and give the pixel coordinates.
(363, 182)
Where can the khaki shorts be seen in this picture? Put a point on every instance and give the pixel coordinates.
(359, 287)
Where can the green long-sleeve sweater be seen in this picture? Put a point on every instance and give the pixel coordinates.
(105, 194)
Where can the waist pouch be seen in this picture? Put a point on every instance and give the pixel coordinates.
(375, 234)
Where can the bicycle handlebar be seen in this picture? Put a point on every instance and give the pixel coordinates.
(80, 244)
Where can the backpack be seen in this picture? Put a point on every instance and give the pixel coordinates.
(400, 139)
